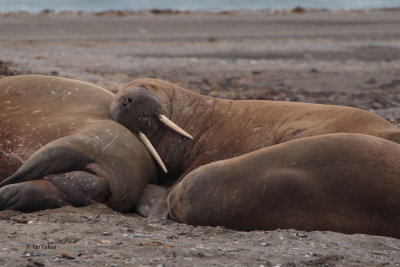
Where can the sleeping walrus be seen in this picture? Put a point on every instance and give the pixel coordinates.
(223, 129)
(347, 183)
(58, 146)
(272, 164)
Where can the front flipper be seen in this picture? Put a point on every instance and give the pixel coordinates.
(108, 164)
(62, 155)
(31, 196)
(77, 188)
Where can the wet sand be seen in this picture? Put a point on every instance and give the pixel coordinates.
(336, 57)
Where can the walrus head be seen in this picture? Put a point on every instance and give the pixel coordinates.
(142, 112)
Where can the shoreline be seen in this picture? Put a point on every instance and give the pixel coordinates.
(216, 11)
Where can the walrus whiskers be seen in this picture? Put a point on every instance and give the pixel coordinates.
(152, 150)
(173, 126)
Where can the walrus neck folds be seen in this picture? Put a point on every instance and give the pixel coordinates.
(188, 114)
(175, 150)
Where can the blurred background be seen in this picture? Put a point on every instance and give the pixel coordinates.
(335, 52)
(101, 5)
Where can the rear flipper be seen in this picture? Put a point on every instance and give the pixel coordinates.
(151, 195)
(77, 188)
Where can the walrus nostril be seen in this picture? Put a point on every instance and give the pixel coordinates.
(129, 100)
(124, 104)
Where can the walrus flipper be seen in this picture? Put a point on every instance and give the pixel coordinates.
(152, 194)
(31, 196)
(60, 156)
(55, 191)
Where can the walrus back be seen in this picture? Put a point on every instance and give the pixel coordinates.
(37, 109)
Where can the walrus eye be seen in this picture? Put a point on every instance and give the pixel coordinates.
(129, 100)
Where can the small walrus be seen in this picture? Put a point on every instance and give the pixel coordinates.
(58, 146)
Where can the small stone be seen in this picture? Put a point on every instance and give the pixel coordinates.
(66, 256)
(302, 235)
(38, 263)
(264, 244)
(30, 222)
(28, 254)
(376, 105)
(137, 235)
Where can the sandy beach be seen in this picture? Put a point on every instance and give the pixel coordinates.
(335, 57)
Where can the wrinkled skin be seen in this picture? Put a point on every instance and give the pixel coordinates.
(224, 129)
(347, 183)
(59, 147)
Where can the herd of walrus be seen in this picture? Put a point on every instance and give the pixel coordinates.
(163, 151)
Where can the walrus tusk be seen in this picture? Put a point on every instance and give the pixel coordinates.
(152, 150)
(173, 126)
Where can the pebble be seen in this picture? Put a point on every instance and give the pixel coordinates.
(137, 235)
(38, 263)
(302, 235)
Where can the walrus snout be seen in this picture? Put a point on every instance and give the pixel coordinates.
(134, 107)
(139, 110)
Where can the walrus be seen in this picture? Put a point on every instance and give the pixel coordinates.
(212, 129)
(58, 146)
(207, 129)
(341, 182)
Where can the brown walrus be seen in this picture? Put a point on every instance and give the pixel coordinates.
(224, 129)
(60, 147)
(347, 183)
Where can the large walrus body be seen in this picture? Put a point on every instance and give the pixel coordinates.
(274, 164)
(348, 183)
(224, 129)
(59, 130)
